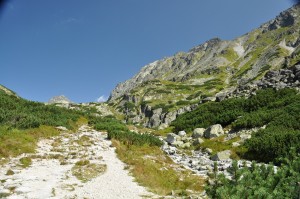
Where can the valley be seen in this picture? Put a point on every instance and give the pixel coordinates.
(219, 121)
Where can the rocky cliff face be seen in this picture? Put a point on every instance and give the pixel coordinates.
(165, 88)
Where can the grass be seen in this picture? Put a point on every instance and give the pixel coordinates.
(84, 171)
(153, 169)
(14, 142)
(164, 132)
(25, 162)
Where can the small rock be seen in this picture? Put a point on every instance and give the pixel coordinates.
(198, 132)
(4, 191)
(182, 133)
(178, 144)
(208, 150)
(236, 144)
(198, 141)
(61, 128)
(223, 155)
(21, 190)
(186, 145)
(171, 138)
(209, 99)
(245, 136)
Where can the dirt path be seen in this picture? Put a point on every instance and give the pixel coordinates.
(81, 165)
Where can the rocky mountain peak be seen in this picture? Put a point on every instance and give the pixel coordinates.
(60, 100)
(285, 19)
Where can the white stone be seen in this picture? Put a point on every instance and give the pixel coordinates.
(182, 133)
(198, 132)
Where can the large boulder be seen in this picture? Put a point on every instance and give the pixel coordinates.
(223, 155)
(172, 138)
(213, 131)
(198, 132)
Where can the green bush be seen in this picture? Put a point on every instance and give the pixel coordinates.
(259, 181)
(119, 131)
(130, 138)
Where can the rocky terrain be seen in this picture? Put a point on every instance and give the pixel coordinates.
(166, 88)
(72, 165)
(202, 161)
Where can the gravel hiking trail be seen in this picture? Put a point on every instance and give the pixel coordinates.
(72, 165)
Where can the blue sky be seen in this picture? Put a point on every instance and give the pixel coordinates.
(83, 48)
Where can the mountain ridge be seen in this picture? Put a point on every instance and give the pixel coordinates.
(239, 46)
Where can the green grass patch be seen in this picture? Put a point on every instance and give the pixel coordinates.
(84, 171)
(25, 162)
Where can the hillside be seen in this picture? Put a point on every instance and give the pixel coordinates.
(166, 88)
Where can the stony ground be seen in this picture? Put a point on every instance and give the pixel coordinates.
(73, 165)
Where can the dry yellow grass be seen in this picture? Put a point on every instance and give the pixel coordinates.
(153, 169)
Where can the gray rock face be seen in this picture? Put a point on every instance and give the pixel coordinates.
(223, 155)
(214, 131)
(277, 79)
(198, 132)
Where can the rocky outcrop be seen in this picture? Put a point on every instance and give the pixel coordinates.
(277, 79)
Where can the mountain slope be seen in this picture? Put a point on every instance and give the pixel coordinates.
(245, 57)
(172, 85)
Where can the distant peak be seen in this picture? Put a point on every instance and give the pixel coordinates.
(61, 99)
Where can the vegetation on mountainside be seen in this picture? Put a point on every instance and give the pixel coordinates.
(23, 114)
(23, 123)
(278, 110)
(259, 181)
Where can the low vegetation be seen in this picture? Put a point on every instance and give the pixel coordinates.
(119, 131)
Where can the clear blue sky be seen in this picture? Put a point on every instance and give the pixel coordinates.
(83, 48)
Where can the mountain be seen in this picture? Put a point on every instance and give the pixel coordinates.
(164, 89)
